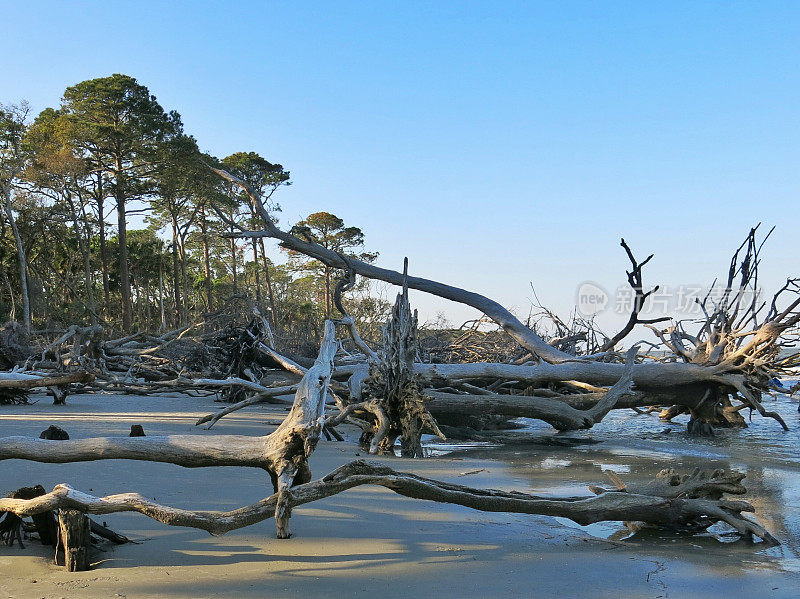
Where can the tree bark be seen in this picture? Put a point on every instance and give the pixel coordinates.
(255, 273)
(176, 274)
(101, 224)
(234, 267)
(82, 235)
(273, 315)
(74, 537)
(21, 257)
(206, 264)
(124, 268)
(558, 414)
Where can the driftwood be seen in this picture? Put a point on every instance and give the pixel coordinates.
(143, 363)
(687, 507)
(560, 415)
(14, 386)
(264, 395)
(23, 380)
(733, 355)
(74, 539)
(396, 399)
(47, 526)
(283, 454)
(45, 522)
(692, 502)
(392, 394)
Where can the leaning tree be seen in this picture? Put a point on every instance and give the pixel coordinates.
(721, 366)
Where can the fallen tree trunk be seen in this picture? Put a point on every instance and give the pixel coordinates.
(673, 511)
(510, 323)
(560, 415)
(718, 357)
(646, 375)
(22, 380)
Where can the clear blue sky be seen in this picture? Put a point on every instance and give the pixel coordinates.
(494, 144)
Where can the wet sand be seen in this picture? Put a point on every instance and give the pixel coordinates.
(369, 540)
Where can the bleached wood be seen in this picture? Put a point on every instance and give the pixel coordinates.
(284, 453)
(22, 380)
(607, 506)
(510, 323)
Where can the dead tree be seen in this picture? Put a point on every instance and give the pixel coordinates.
(640, 296)
(394, 392)
(731, 358)
(283, 454)
(74, 539)
(692, 502)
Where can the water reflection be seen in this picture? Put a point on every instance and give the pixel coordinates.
(769, 456)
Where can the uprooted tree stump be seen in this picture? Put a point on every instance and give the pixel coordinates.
(74, 539)
(397, 401)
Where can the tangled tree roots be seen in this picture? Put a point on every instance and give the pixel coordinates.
(398, 402)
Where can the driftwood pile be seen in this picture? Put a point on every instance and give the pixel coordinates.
(82, 358)
(70, 532)
(692, 502)
(712, 369)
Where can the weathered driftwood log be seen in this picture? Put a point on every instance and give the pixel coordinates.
(74, 539)
(558, 414)
(683, 506)
(650, 377)
(23, 380)
(286, 363)
(522, 334)
(699, 484)
(17, 384)
(266, 395)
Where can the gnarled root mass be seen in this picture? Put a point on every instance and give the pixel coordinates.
(398, 403)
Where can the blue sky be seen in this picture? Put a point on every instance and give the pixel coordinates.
(494, 144)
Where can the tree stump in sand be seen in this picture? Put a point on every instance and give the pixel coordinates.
(75, 539)
(54, 433)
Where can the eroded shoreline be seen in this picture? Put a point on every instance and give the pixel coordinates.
(368, 539)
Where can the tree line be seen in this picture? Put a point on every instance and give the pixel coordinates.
(73, 176)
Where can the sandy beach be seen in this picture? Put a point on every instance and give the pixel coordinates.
(367, 540)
